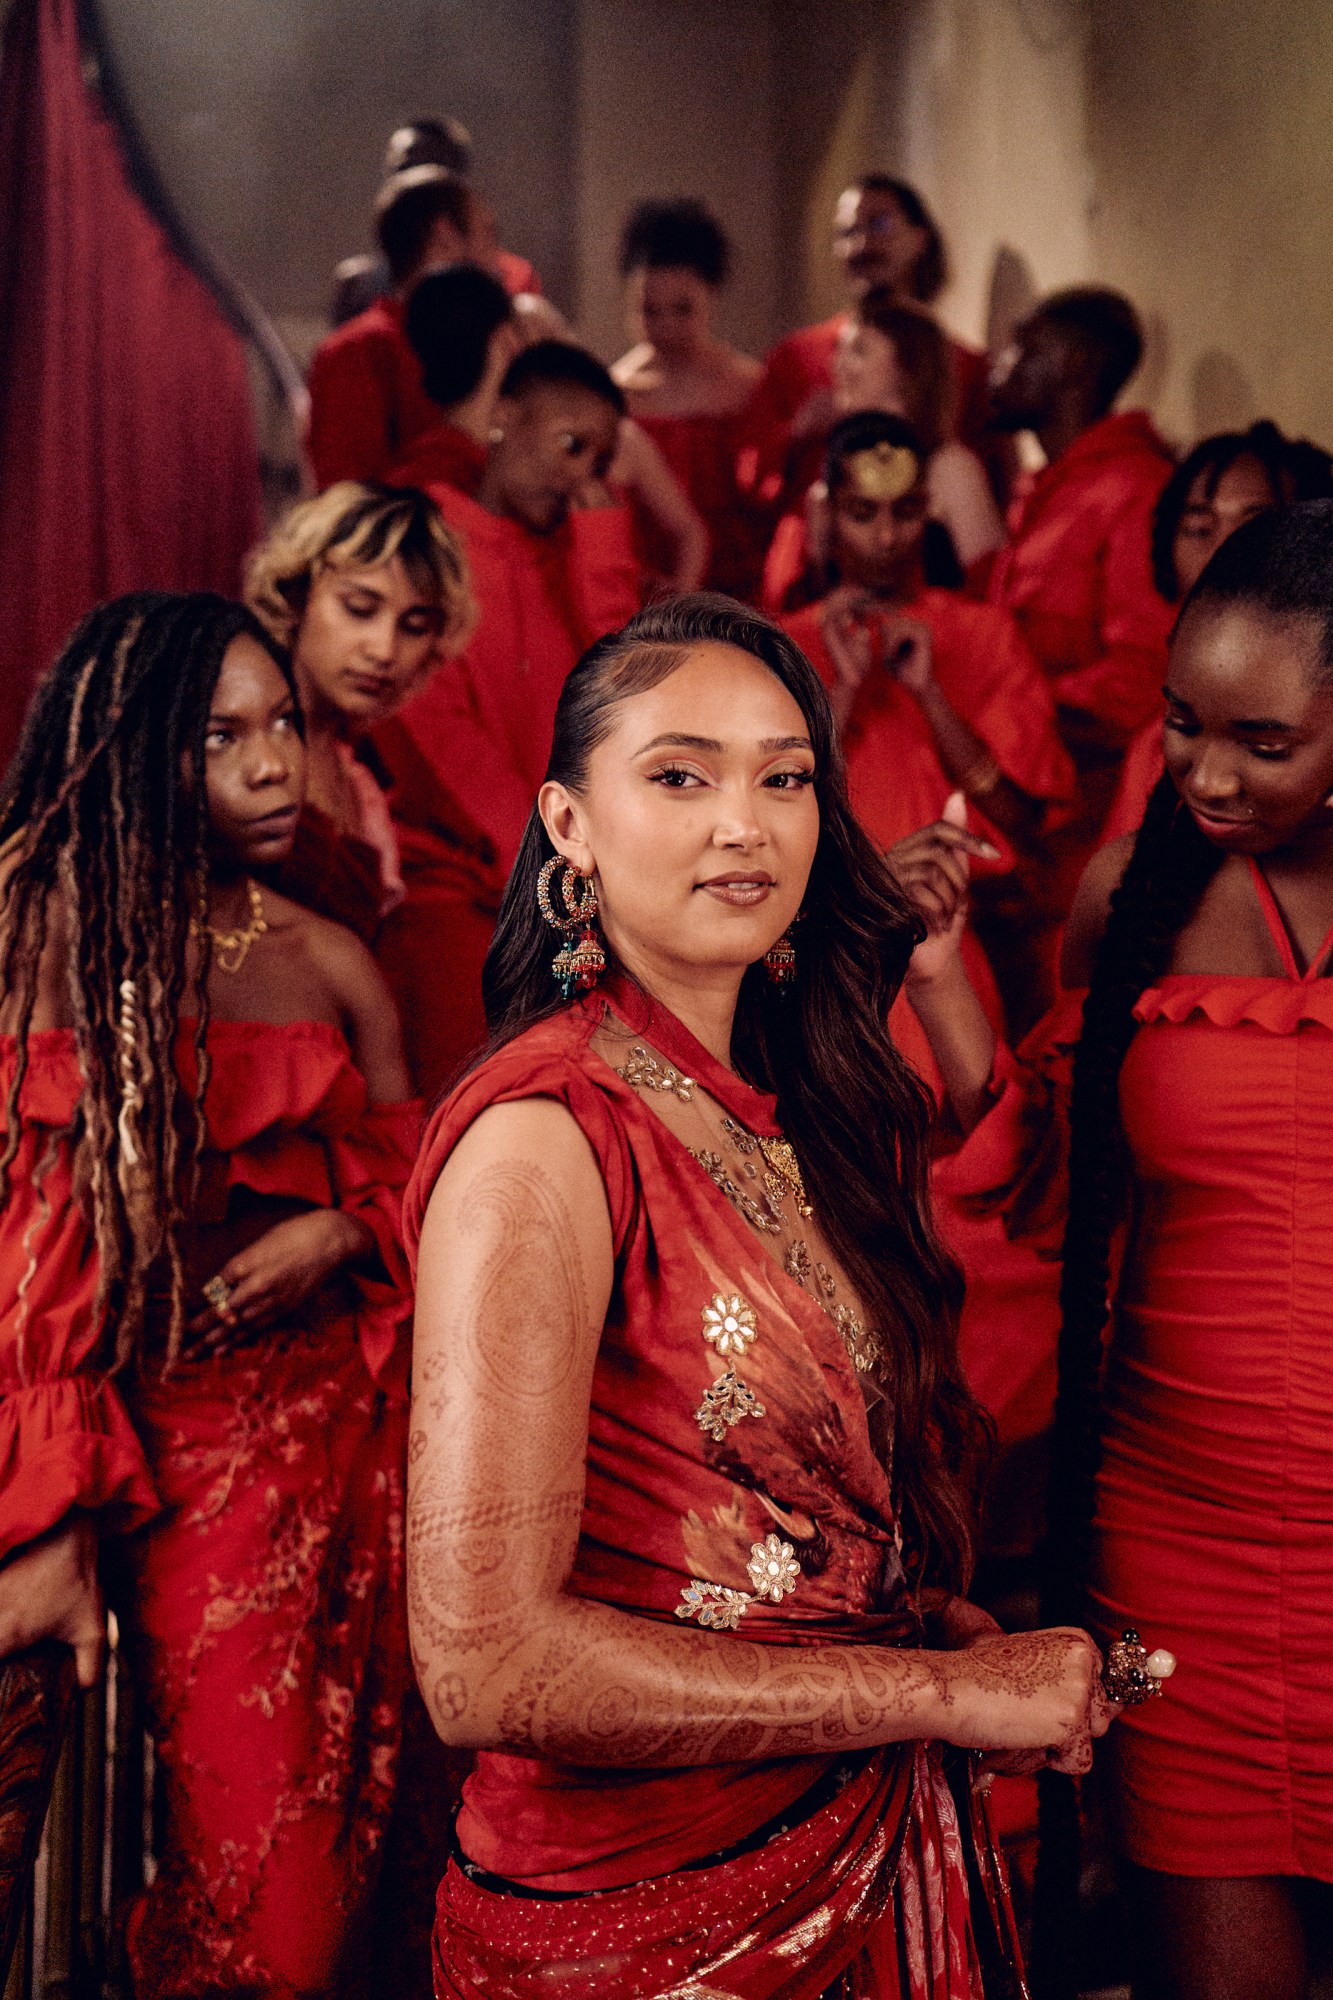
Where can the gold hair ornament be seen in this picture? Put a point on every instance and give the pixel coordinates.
(882, 471)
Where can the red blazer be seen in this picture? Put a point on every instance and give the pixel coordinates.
(1076, 572)
(483, 721)
(443, 455)
(367, 404)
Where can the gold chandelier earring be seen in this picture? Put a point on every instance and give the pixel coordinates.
(575, 966)
(780, 961)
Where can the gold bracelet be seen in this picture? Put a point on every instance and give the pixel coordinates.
(980, 779)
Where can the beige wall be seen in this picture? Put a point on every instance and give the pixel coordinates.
(1180, 148)
(1211, 137)
(675, 98)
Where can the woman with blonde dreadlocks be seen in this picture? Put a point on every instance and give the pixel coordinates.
(206, 1143)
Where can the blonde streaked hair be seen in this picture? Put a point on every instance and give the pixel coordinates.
(355, 526)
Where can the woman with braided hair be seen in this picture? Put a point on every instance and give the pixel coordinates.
(1192, 1480)
(205, 1144)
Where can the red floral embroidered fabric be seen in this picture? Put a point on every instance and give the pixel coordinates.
(263, 1604)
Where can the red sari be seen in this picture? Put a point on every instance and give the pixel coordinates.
(263, 1604)
(1215, 1496)
(853, 1881)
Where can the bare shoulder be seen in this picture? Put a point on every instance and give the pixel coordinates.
(1092, 902)
(335, 953)
(346, 987)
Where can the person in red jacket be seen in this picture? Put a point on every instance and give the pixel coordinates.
(552, 569)
(1077, 570)
(884, 237)
(367, 401)
(461, 326)
(933, 694)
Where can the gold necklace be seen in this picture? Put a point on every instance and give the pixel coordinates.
(236, 942)
(644, 1071)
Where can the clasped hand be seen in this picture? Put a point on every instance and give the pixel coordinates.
(1031, 1701)
(273, 1277)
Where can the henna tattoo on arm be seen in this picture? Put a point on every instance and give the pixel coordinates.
(515, 1278)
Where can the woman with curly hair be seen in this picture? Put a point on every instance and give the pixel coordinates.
(206, 1140)
(371, 590)
(691, 1463)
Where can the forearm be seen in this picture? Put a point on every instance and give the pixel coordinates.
(968, 762)
(587, 1684)
(961, 1039)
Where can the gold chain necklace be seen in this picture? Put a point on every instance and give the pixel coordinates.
(782, 1177)
(236, 942)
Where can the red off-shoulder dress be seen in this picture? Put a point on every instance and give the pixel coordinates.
(1215, 1499)
(263, 1601)
(864, 1882)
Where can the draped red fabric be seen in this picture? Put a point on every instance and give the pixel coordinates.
(127, 447)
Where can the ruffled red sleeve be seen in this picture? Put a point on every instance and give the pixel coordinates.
(1001, 1201)
(371, 1161)
(65, 1440)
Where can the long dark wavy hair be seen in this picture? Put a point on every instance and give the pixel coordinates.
(857, 1114)
(1280, 563)
(104, 818)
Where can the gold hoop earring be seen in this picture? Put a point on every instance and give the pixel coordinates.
(575, 966)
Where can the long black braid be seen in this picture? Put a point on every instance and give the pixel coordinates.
(1169, 869)
(104, 825)
(1280, 564)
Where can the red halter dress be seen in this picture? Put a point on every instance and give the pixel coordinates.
(1214, 1517)
(773, 1877)
(1215, 1502)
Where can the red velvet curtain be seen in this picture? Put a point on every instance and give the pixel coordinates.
(127, 447)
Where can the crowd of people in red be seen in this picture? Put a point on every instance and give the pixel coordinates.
(269, 878)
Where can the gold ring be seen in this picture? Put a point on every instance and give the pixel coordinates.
(218, 1293)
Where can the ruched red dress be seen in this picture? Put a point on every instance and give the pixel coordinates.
(1215, 1500)
(866, 1883)
(263, 1602)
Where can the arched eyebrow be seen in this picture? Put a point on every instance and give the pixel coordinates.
(1252, 726)
(771, 745)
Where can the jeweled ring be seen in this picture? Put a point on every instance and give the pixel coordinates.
(1133, 1675)
(218, 1293)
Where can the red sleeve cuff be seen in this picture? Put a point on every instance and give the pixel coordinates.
(68, 1443)
(371, 1164)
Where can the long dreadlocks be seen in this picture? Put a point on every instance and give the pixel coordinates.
(104, 818)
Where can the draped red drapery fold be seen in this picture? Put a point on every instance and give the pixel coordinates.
(127, 446)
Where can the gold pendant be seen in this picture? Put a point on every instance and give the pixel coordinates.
(781, 1156)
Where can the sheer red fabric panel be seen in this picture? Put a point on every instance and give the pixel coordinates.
(127, 445)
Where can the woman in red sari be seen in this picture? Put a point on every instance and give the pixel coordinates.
(1192, 1484)
(206, 1143)
(688, 1523)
